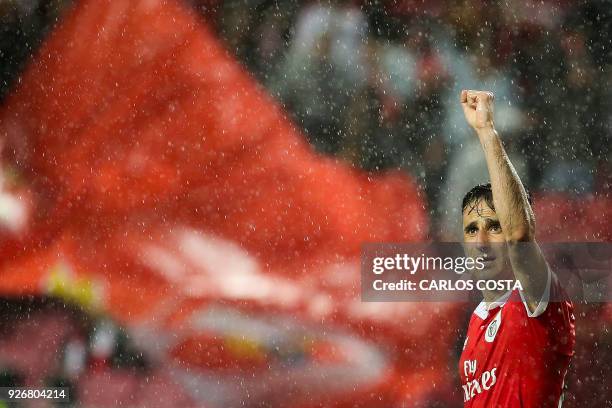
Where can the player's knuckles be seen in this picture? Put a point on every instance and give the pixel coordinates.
(481, 95)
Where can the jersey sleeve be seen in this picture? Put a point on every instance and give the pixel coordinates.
(555, 314)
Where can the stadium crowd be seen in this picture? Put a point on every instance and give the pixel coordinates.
(377, 83)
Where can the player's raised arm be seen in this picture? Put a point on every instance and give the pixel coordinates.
(510, 199)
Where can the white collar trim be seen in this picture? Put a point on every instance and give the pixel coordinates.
(482, 310)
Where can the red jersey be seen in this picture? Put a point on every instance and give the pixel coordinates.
(513, 358)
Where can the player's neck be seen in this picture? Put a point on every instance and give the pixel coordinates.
(490, 296)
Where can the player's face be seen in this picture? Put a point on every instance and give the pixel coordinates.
(483, 237)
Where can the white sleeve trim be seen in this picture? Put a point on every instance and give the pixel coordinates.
(543, 303)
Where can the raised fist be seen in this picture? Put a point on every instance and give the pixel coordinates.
(478, 109)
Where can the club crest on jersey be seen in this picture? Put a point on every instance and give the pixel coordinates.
(493, 328)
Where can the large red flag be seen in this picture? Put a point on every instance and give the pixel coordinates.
(161, 172)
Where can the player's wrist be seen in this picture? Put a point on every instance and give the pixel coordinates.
(486, 132)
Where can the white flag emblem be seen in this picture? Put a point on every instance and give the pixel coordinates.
(493, 328)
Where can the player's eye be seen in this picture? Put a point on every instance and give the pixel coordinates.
(495, 228)
(471, 230)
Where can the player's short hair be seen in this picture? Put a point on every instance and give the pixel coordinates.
(482, 192)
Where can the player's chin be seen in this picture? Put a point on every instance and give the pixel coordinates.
(491, 270)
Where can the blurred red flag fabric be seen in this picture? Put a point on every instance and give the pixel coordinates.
(159, 170)
(135, 108)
